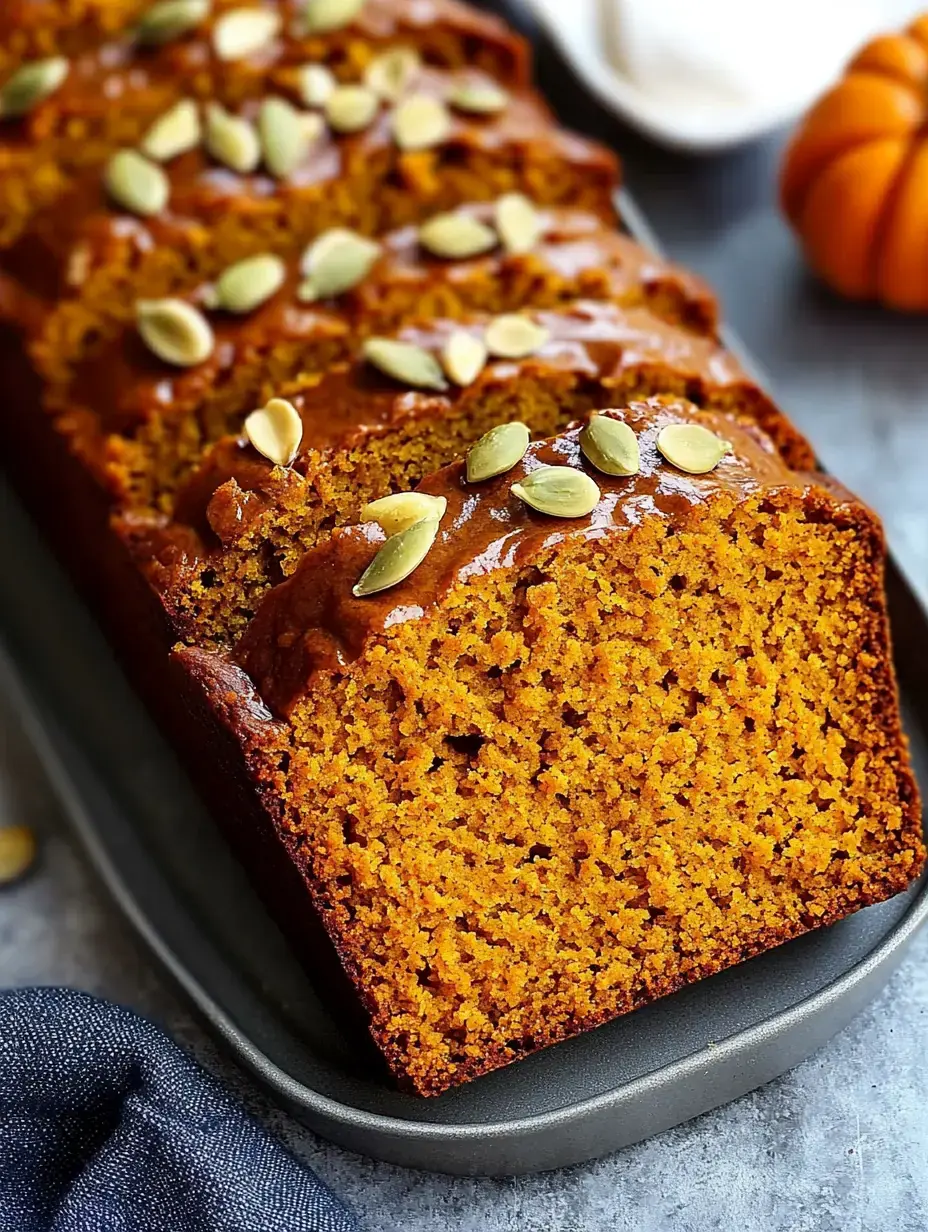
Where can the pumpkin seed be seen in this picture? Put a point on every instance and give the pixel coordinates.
(174, 133)
(519, 224)
(337, 261)
(31, 84)
(136, 183)
(691, 447)
(246, 285)
(478, 98)
(168, 20)
(611, 446)
(463, 357)
(349, 109)
(497, 451)
(276, 431)
(316, 84)
(421, 122)
(456, 236)
(390, 74)
(231, 140)
(175, 331)
(321, 16)
(559, 491)
(512, 336)
(243, 32)
(286, 136)
(412, 365)
(17, 852)
(398, 558)
(403, 509)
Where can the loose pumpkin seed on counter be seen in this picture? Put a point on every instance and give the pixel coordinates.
(519, 224)
(136, 183)
(421, 122)
(559, 491)
(391, 73)
(692, 448)
(611, 446)
(317, 84)
(244, 32)
(248, 283)
(334, 263)
(477, 97)
(276, 431)
(286, 136)
(405, 362)
(513, 336)
(174, 133)
(456, 236)
(175, 331)
(323, 16)
(400, 556)
(31, 84)
(17, 853)
(401, 510)
(169, 20)
(497, 451)
(350, 109)
(463, 357)
(231, 140)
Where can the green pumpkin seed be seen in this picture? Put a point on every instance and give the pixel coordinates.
(692, 448)
(31, 84)
(337, 261)
(136, 183)
(611, 446)
(286, 136)
(497, 451)
(519, 224)
(398, 558)
(398, 512)
(231, 140)
(175, 331)
(478, 97)
(463, 357)
(317, 84)
(349, 109)
(247, 284)
(559, 491)
(168, 20)
(390, 74)
(512, 336)
(174, 133)
(421, 122)
(244, 32)
(409, 364)
(17, 852)
(276, 431)
(456, 236)
(322, 16)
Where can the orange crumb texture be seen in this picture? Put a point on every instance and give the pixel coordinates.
(568, 764)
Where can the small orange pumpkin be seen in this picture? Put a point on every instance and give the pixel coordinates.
(854, 183)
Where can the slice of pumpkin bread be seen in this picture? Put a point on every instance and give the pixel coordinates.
(61, 117)
(240, 522)
(572, 763)
(141, 422)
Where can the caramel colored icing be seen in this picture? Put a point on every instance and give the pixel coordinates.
(312, 622)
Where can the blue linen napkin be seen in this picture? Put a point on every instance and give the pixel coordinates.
(107, 1126)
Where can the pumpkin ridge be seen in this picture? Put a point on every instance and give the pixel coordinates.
(886, 214)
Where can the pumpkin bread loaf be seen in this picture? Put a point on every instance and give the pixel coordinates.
(240, 523)
(141, 422)
(65, 118)
(571, 764)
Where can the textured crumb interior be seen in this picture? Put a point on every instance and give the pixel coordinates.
(574, 787)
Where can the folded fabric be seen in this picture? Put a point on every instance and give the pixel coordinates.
(106, 1124)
